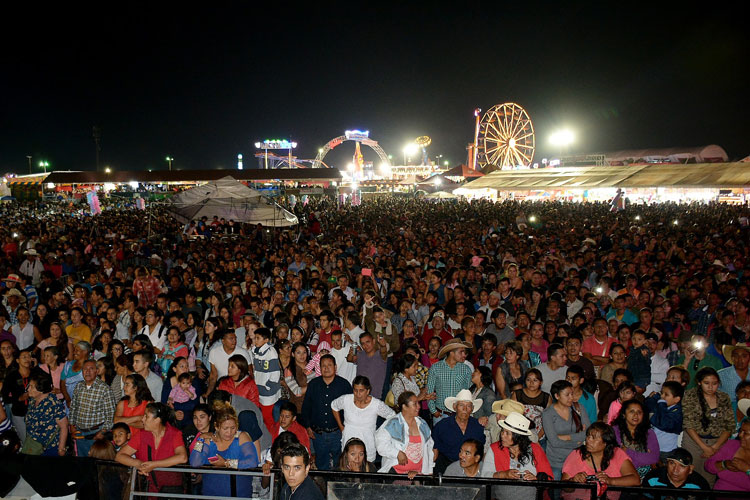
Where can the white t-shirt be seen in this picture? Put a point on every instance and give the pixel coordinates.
(219, 358)
(344, 368)
(550, 376)
(158, 336)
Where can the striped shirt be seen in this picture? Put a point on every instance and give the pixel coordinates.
(446, 382)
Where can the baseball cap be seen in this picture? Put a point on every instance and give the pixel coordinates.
(681, 456)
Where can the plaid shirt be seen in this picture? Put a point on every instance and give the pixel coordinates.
(446, 382)
(92, 406)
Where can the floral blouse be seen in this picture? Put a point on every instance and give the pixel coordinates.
(41, 420)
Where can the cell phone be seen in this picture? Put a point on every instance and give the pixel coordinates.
(214, 458)
(592, 477)
(366, 272)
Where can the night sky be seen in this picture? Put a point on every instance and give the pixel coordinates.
(204, 86)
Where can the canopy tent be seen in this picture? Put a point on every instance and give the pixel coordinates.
(462, 171)
(441, 195)
(694, 175)
(229, 199)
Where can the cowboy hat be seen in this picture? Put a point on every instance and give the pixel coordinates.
(13, 277)
(451, 345)
(743, 405)
(463, 395)
(507, 406)
(15, 292)
(32, 252)
(516, 423)
(728, 350)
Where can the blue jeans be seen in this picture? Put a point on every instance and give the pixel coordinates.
(83, 446)
(327, 450)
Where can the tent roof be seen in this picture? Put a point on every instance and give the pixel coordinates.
(699, 153)
(229, 199)
(252, 174)
(439, 180)
(462, 171)
(653, 175)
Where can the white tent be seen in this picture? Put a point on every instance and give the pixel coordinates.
(441, 195)
(230, 199)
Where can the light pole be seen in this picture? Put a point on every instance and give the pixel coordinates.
(43, 164)
(170, 160)
(29, 158)
(437, 160)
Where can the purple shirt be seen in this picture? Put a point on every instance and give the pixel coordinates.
(642, 459)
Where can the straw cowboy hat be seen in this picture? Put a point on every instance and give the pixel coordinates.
(516, 423)
(507, 406)
(14, 292)
(31, 252)
(13, 277)
(728, 350)
(452, 345)
(463, 395)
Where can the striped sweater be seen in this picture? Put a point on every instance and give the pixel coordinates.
(267, 374)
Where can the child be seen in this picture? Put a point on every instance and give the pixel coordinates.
(581, 399)
(183, 391)
(120, 435)
(314, 364)
(174, 348)
(625, 392)
(678, 374)
(666, 418)
(639, 361)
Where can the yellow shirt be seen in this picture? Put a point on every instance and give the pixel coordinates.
(78, 333)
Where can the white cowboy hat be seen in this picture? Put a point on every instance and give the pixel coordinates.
(743, 405)
(31, 252)
(516, 423)
(463, 395)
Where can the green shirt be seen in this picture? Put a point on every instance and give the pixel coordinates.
(693, 367)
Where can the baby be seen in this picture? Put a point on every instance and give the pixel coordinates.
(183, 391)
(314, 364)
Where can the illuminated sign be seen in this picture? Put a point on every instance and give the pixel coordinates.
(276, 144)
(357, 134)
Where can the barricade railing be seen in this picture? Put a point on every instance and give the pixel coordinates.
(187, 488)
(105, 480)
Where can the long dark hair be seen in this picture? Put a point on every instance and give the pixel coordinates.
(142, 392)
(610, 443)
(485, 375)
(164, 413)
(293, 364)
(555, 390)
(640, 438)
(704, 372)
(525, 454)
(366, 466)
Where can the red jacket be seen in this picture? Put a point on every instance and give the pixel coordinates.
(295, 429)
(246, 388)
(502, 459)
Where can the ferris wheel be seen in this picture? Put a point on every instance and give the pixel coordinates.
(506, 137)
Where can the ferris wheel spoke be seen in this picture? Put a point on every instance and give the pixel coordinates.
(508, 121)
(530, 134)
(526, 146)
(492, 150)
(519, 126)
(500, 135)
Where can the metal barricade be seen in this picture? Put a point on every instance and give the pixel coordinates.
(135, 481)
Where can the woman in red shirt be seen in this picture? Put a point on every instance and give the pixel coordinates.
(238, 381)
(158, 445)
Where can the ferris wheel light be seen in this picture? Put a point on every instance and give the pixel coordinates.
(562, 137)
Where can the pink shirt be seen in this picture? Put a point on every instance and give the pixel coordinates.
(55, 376)
(574, 464)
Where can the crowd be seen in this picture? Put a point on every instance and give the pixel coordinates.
(532, 341)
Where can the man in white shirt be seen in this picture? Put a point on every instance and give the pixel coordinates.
(352, 330)
(342, 353)
(141, 365)
(219, 356)
(343, 283)
(154, 330)
(32, 267)
(572, 302)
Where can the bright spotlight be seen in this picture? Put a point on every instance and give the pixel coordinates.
(133, 184)
(676, 222)
(108, 170)
(350, 167)
(438, 181)
(532, 218)
(637, 217)
(562, 137)
(411, 148)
